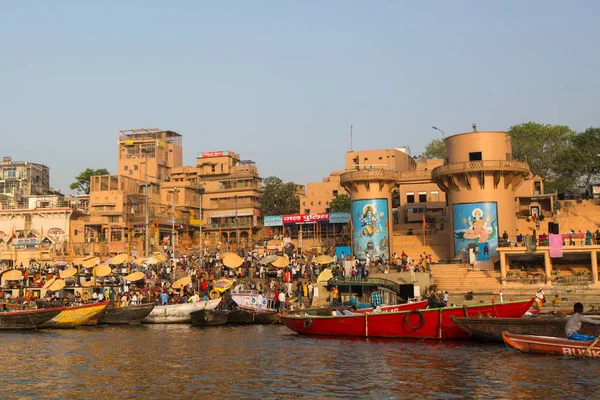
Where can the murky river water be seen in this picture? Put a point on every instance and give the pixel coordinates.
(179, 361)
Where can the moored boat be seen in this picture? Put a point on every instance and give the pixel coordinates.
(27, 319)
(205, 317)
(72, 317)
(491, 328)
(417, 324)
(178, 313)
(132, 314)
(552, 345)
(417, 305)
(244, 315)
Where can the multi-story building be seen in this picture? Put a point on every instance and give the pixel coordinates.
(20, 180)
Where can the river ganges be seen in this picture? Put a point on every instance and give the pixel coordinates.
(179, 362)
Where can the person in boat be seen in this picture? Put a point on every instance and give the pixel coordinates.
(4, 308)
(540, 299)
(574, 324)
(376, 299)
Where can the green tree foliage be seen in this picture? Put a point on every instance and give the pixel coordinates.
(545, 148)
(82, 183)
(435, 149)
(279, 198)
(340, 203)
(586, 146)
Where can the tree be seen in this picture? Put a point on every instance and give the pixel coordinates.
(82, 183)
(340, 203)
(586, 146)
(435, 149)
(279, 198)
(544, 148)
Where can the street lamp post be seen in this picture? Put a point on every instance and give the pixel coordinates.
(438, 129)
(174, 192)
(237, 231)
(200, 238)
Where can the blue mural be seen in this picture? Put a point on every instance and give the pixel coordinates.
(370, 228)
(476, 223)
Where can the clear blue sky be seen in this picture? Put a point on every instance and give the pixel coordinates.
(280, 82)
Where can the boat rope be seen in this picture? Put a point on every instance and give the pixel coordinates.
(587, 351)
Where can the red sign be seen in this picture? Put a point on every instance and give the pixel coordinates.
(209, 154)
(305, 218)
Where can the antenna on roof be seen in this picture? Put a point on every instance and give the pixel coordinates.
(351, 138)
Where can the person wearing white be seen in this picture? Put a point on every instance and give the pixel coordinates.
(281, 299)
(259, 301)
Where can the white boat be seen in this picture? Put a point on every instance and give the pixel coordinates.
(178, 313)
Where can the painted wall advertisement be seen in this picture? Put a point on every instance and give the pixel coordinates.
(370, 228)
(475, 223)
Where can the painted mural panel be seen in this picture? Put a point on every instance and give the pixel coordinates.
(370, 228)
(475, 223)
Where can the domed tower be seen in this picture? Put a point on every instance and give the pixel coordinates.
(371, 204)
(480, 179)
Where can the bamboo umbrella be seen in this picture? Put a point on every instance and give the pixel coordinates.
(12, 275)
(134, 276)
(179, 283)
(232, 260)
(49, 282)
(67, 273)
(121, 258)
(102, 270)
(281, 262)
(324, 259)
(56, 285)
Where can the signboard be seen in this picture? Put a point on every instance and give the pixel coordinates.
(160, 144)
(339, 218)
(209, 154)
(26, 242)
(305, 218)
(475, 224)
(273, 220)
(243, 212)
(370, 228)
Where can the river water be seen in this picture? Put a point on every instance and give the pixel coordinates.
(179, 361)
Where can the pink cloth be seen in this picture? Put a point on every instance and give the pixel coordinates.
(556, 246)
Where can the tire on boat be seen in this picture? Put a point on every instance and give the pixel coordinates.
(421, 322)
(307, 323)
(214, 295)
(85, 295)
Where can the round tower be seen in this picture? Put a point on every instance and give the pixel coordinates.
(479, 179)
(371, 202)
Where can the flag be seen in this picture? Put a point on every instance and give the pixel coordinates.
(424, 222)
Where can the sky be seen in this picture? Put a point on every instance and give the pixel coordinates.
(280, 82)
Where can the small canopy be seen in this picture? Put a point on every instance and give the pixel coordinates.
(121, 258)
(67, 273)
(267, 259)
(324, 259)
(281, 262)
(90, 263)
(56, 285)
(232, 260)
(151, 260)
(179, 283)
(103, 270)
(325, 276)
(135, 276)
(48, 283)
(12, 275)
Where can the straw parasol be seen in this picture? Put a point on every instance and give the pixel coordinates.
(139, 261)
(161, 258)
(12, 275)
(232, 260)
(56, 285)
(135, 276)
(50, 282)
(103, 270)
(179, 283)
(90, 263)
(267, 259)
(67, 273)
(90, 284)
(281, 262)
(325, 276)
(324, 259)
(121, 258)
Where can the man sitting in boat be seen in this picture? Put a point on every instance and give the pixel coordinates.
(574, 324)
(376, 299)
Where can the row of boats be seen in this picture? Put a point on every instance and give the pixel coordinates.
(491, 322)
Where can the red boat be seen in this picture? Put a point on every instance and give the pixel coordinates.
(434, 323)
(397, 307)
(552, 345)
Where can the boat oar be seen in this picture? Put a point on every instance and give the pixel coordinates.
(586, 352)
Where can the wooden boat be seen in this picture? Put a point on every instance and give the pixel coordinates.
(178, 313)
(205, 318)
(552, 345)
(432, 323)
(245, 315)
(27, 319)
(492, 328)
(418, 305)
(75, 316)
(132, 314)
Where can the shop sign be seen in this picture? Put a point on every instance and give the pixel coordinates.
(339, 217)
(273, 220)
(305, 218)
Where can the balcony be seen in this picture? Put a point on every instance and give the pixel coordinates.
(415, 176)
(371, 174)
(231, 225)
(478, 166)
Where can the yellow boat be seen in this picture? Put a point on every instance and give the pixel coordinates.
(75, 316)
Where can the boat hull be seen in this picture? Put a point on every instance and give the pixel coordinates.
(249, 316)
(491, 328)
(133, 314)
(72, 317)
(414, 324)
(178, 313)
(205, 318)
(552, 345)
(27, 319)
(418, 305)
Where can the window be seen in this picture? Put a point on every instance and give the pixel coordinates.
(126, 167)
(422, 197)
(435, 195)
(222, 168)
(410, 197)
(475, 156)
(212, 168)
(307, 211)
(135, 167)
(335, 193)
(113, 219)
